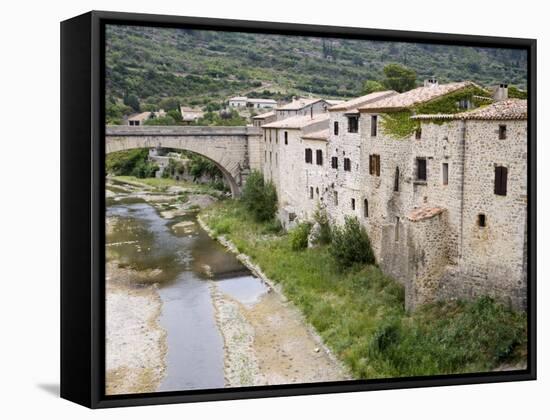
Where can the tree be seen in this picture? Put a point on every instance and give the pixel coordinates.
(371, 86)
(399, 78)
(351, 245)
(169, 103)
(260, 197)
(167, 120)
(132, 101)
(474, 66)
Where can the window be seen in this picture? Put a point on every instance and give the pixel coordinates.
(270, 136)
(347, 164)
(464, 104)
(334, 162)
(396, 180)
(311, 193)
(481, 220)
(335, 128)
(276, 159)
(335, 198)
(501, 180)
(286, 137)
(265, 155)
(418, 133)
(366, 207)
(421, 169)
(319, 157)
(353, 203)
(374, 165)
(309, 156)
(445, 173)
(397, 229)
(502, 132)
(270, 157)
(353, 124)
(374, 125)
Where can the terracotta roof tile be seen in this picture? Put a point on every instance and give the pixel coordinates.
(264, 115)
(317, 135)
(509, 109)
(362, 100)
(414, 97)
(298, 104)
(424, 213)
(299, 121)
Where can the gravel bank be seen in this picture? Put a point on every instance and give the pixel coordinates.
(135, 342)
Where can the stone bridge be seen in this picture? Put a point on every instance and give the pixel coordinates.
(228, 147)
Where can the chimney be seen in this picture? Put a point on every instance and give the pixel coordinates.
(432, 82)
(500, 92)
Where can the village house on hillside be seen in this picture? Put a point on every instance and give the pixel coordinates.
(437, 175)
(190, 115)
(140, 118)
(257, 103)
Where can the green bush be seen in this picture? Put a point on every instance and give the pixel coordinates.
(272, 227)
(259, 197)
(323, 235)
(298, 236)
(124, 163)
(145, 170)
(350, 244)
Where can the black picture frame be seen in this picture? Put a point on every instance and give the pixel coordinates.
(83, 205)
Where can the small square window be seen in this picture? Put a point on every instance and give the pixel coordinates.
(421, 169)
(481, 220)
(445, 173)
(347, 164)
(418, 134)
(502, 132)
(353, 124)
(374, 125)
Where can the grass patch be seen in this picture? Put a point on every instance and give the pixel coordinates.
(360, 312)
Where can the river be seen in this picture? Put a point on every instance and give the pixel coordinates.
(220, 325)
(189, 259)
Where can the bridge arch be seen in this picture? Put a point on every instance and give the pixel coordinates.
(226, 147)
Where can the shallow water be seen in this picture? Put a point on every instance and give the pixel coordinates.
(188, 258)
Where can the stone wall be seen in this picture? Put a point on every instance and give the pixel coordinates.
(444, 256)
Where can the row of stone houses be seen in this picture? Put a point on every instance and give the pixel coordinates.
(437, 175)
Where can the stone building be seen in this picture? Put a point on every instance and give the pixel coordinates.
(190, 115)
(256, 103)
(437, 175)
(286, 161)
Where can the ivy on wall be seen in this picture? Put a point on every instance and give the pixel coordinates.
(400, 125)
(514, 92)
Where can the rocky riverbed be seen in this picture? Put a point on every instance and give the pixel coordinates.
(185, 312)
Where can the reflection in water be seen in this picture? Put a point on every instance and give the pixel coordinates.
(246, 290)
(143, 240)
